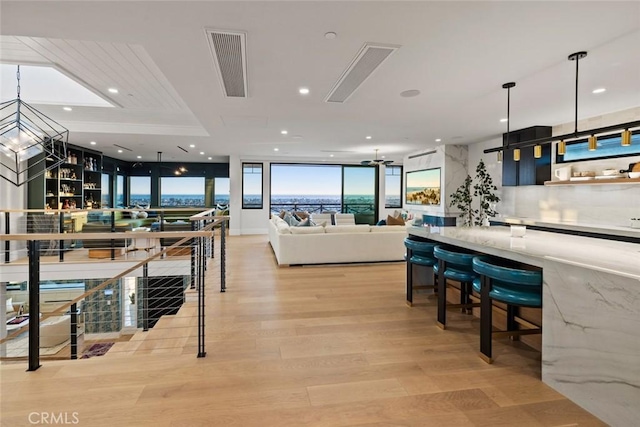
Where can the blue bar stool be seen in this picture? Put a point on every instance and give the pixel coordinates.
(419, 253)
(506, 282)
(455, 264)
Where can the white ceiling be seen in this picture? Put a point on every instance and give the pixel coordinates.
(457, 54)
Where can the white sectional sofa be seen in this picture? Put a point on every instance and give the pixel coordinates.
(335, 244)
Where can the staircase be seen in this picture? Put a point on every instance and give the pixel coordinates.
(173, 334)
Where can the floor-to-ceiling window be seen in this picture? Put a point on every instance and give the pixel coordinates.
(312, 188)
(359, 190)
(119, 191)
(221, 188)
(140, 191)
(182, 191)
(105, 191)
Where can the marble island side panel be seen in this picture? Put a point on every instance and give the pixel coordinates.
(590, 312)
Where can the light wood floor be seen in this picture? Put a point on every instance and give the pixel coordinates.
(303, 346)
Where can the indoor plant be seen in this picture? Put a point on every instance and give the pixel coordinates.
(462, 199)
(484, 188)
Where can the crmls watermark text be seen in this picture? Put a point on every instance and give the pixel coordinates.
(52, 418)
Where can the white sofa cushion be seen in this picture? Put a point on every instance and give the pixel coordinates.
(319, 217)
(362, 228)
(387, 228)
(307, 230)
(345, 219)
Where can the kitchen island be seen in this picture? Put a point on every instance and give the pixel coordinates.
(590, 312)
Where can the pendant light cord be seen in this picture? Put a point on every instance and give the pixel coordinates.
(576, 113)
(18, 78)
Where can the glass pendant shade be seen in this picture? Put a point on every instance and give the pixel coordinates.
(516, 155)
(626, 138)
(499, 156)
(593, 143)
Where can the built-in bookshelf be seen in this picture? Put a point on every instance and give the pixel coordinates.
(74, 184)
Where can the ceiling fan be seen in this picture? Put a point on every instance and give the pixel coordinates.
(376, 161)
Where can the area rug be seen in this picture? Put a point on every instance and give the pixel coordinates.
(98, 349)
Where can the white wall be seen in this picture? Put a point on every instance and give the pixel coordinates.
(453, 161)
(609, 204)
(12, 197)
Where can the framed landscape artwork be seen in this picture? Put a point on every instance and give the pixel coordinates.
(423, 187)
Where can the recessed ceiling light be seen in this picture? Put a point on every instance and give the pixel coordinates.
(330, 35)
(367, 137)
(119, 151)
(438, 140)
(284, 132)
(276, 149)
(202, 153)
(382, 157)
(113, 90)
(599, 90)
(504, 120)
(410, 93)
(209, 158)
(304, 91)
(67, 108)
(92, 143)
(192, 145)
(330, 155)
(138, 157)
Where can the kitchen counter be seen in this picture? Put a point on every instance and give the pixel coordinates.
(590, 312)
(610, 230)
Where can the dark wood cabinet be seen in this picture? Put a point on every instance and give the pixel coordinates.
(529, 170)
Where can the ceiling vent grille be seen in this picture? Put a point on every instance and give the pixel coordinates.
(367, 60)
(229, 50)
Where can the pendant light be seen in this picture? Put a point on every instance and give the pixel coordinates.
(562, 148)
(508, 86)
(516, 155)
(30, 142)
(593, 143)
(626, 138)
(499, 156)
(537, 151)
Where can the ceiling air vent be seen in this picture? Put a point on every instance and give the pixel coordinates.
(229, 50)
(370, 56)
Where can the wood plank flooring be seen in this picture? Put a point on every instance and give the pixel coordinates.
(303, 346)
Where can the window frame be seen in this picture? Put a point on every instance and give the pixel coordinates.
(393, 167)
(253, 165)
(204, 192)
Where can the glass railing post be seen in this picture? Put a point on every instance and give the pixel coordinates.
(34, 304)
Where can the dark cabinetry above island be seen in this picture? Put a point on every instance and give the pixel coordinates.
(529, 170)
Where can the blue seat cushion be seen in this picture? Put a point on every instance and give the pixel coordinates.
(421, 260)
(477, 284)
(515, 297)
(459, 275)
(435, 268)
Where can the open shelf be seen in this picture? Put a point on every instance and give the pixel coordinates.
(596, 181)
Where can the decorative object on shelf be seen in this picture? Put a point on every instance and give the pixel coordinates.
(484, 189)
(27, 134)
(623, 128)
(376, 161)
(462, 200)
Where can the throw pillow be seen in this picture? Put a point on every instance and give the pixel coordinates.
(307, 223)
(394, 221)
(9, 304)
(382, 222)
(301, 214)
(143, 214)
(282, 214)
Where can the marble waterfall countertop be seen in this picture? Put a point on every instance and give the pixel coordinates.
(612, 230)
(608, 256)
